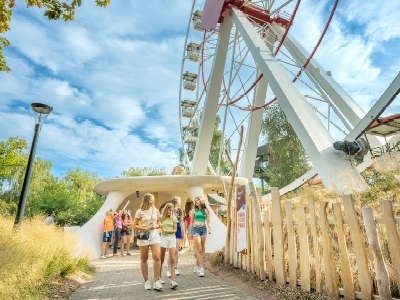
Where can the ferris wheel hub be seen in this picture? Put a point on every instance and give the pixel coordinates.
(214, 12)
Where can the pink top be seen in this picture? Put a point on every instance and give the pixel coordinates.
(188, 220)
(118, 222)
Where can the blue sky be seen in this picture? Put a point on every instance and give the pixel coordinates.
(112, 75)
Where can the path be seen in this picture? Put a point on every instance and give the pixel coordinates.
(120, 278)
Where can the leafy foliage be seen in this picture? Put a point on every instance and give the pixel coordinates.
(288, 157)
(54, 10)
(146, 171)
(71, 195)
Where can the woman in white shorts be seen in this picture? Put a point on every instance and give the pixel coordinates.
(150, 221)
(168, 240)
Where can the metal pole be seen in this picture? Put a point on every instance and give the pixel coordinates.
(27, 179)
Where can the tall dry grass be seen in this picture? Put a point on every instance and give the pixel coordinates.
(34, 255)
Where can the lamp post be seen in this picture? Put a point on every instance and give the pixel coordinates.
(40, 111)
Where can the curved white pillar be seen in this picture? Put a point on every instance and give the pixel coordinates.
(91, 234)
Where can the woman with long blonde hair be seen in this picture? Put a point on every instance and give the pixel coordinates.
(149, 236)
(180, 231)
(198, 230)
(168, 240)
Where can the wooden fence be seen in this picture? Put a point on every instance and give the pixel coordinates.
(299, 249)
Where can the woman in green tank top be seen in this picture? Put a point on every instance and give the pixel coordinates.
(198, 230)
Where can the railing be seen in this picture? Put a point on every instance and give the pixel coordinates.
(320, 249)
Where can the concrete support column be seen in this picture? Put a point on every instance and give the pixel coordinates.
(91, 234)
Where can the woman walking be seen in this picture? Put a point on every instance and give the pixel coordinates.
(168, 240)
(126, 232)
(180, 230)
(200, 216)
(148, 236)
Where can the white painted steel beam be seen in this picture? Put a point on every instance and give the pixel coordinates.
(202, 151)
(384, 101)
(350, 109)
(336, 173)
(248, 160)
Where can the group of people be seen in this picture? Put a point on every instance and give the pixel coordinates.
(161, 231)
(117, 228)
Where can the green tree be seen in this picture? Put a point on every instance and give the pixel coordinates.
(53, 10)
(288, 159)
(146, 171)
(10, 155)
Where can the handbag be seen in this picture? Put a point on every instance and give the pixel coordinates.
(144, 235)
(127, 227)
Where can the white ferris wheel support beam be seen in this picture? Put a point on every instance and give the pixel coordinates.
(346, 104)
(336, 173)
(350, 109)
(248, 161)
(209, 114)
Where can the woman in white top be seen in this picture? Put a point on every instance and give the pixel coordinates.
(150, 221)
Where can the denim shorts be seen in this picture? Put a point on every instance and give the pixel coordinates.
(107, 239)
(199, 230)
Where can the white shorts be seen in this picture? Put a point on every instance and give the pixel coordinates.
(168, 241)
(154, 239)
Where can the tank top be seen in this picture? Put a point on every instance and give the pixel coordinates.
(199, 216)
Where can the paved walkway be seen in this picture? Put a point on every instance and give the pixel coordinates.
(120, 278)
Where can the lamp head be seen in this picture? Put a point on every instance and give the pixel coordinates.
(41, 108)
(41, 111)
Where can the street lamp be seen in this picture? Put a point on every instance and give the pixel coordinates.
(40, 111)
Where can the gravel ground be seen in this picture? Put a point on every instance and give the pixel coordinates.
(278, 291)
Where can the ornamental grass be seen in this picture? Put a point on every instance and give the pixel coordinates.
(34, 256)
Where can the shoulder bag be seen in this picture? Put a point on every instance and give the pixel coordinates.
(145, 235)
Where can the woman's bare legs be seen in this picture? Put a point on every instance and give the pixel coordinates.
(123, 242)
(162, 258)
(172, 256)
(178, 244)
(156, 254)
(144, 255)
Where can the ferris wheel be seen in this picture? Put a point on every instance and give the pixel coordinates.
(240, 57)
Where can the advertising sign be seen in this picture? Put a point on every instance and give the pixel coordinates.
(241, 240)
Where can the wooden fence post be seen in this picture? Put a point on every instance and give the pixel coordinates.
(359, 247)
(311, 207)
(382, 277)
(259, 231)
(248, 233)
(393, 237)
(331, 282)
(292, 251)
(279, 255)
(347, 278)
(268, 248)
(305, 279)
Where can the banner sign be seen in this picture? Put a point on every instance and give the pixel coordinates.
(241, 236)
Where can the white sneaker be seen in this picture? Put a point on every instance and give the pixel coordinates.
(109, 255)
(173, 284)
(201, 272)
(157, 285)
(161, 279)
(103, 256)
(196, 269)
(147, 285)
(177, 271)
(168, 273)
